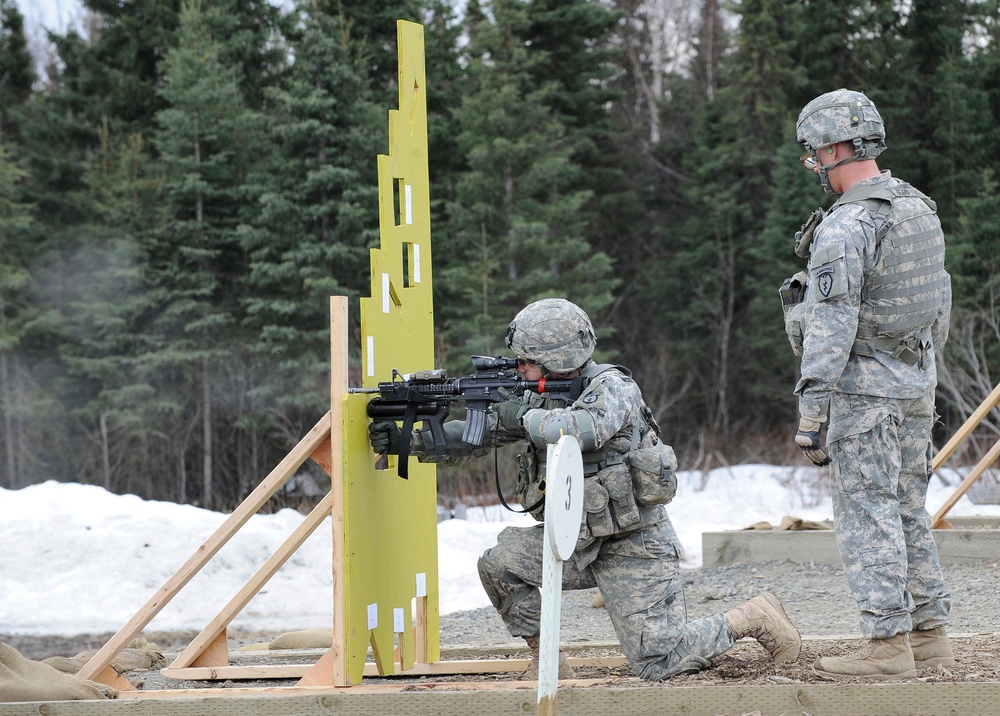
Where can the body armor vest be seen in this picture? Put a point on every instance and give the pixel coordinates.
(596, 460)
(611, 504)
(904, 290)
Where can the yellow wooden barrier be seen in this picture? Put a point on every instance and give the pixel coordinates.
(390, 525)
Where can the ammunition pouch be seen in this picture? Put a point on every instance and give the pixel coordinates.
(609, 502)
(793, 293)
(653, 472)
(530, 490)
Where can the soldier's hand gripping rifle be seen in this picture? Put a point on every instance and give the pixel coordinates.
(427, 395)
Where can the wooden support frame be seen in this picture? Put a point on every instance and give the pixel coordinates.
(100, 664)
(207, 655)
(991, 401)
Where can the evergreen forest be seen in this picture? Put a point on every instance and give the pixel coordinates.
(184, 183)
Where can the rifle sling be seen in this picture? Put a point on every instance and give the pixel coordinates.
(405, 435)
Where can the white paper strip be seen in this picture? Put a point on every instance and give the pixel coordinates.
(373, 616)
(371, 356)
(409, 203)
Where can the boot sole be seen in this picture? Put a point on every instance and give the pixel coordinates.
(935, 661)
(911, 674)
(792, 653)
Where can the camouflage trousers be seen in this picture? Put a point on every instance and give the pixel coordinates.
(637, 576)
(880, 449)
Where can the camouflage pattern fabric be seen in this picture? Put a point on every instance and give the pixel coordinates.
(636, 575)
(839, 116)
(880, 412)
(636, 572)
(553, 332)
(843, 256)
(879, 478)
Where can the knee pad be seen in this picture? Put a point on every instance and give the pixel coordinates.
(502, 586)
(489, 575)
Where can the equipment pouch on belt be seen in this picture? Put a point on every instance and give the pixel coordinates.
(654, 480)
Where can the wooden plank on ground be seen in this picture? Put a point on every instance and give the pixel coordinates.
(588, 699)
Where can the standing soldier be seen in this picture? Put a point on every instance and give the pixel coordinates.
(627, 547)
(874, 319)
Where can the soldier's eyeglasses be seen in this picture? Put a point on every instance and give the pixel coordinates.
(523, 362)
(810, 161)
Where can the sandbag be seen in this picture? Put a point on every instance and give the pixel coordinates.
(140, 655)
(304, 639)
(24, 680)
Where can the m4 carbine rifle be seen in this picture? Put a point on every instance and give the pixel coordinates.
(427, 395)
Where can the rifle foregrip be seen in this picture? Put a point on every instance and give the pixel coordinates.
(395, 410)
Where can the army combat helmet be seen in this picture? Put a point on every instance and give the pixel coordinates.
(554, 333)
(841, 116)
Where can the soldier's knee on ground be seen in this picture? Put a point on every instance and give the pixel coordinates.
(660, 671)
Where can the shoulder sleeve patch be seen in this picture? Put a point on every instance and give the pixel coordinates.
(828, 273)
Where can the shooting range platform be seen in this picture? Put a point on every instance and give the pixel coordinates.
(576, 697)
(971, 539)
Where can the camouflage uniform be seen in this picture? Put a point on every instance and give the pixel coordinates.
(875, 265)
(635, 568)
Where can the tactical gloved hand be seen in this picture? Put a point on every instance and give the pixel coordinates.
(807, 438)
(510, 412)
(384, 437)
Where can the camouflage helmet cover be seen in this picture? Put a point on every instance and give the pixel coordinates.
(842, 116)
(554, 333)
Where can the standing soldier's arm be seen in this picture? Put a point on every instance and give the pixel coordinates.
(942, 323)
(833, 301)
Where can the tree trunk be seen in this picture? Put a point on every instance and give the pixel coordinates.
(9, 439)
(711, 11)
(105, 456)
(206, 434)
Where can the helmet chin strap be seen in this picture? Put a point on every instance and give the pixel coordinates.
(825, 180)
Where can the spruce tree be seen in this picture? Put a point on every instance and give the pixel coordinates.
(209, 142)
(16, 315)
(517, 228)
(318, 215)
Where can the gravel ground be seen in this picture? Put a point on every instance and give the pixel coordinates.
(815, 596)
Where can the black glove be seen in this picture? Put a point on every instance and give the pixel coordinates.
(807, 438)
(510, 411)
(384, 437)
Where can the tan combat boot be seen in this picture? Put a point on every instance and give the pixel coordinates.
(931, 647)
(765, 620)
(879, 660)
(531, 673)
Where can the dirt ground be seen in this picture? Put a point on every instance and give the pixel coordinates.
(977, 660)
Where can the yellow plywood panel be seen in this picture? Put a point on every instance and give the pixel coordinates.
(390, 530)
